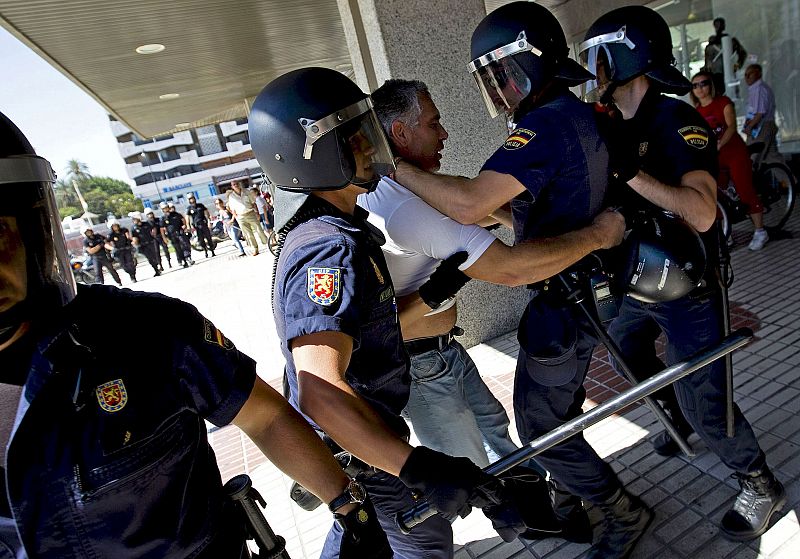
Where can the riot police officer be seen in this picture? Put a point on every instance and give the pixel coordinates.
(103, 458)
(665, 153)
(95, 246)
(119, 238)
(316, 137)
(553, 169)
(173, 226)
(161, 241)
(143, 236)
(197, 215)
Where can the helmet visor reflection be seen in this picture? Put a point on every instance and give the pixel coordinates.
(597, 59)
(372, 156)
(503, 85)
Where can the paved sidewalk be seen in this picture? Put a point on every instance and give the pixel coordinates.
(689, 496)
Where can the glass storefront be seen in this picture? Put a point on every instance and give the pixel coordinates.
(768, 30)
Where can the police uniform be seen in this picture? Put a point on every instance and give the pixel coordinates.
(98, 438)
(173, 222)
(147, 243)
(161, 244)
(672, 139)
(100, 259)
(123, 250)
(197, 213)
(556, 153)
(332, 276)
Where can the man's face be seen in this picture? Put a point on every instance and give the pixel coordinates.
(752, 75)
(236, 187)
(362, 150)
(151, 216)
(192, 201)
(425, 140)
(88, 233)
(603, 80)
(13, 273)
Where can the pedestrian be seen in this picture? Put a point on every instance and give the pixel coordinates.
(270, 212)
(95, 246)
(173, 226)
(230, 224)
(313, 131)
(120, 243)
(714, 61)
(161, 240)
(101, 457)
(552, 168)
(663, 151)
(143, 235)
(197, 216)
(243, 206)
(734, 160)
(759, 124)
(261, 206)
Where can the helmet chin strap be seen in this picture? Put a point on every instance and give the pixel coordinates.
(607, 98)
(12, 319)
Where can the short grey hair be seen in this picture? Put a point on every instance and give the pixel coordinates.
(398, 100)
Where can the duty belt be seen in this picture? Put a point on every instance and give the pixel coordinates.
(433, 343)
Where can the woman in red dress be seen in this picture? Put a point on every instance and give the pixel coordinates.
(734, 161)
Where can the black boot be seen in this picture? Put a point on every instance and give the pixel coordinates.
(626, 519)
(761, 496)
(570, 512)
(663, 444)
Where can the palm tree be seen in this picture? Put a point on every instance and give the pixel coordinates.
(77, 171)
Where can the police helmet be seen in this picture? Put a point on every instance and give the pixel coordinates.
(162, 205)
(136, 216)
(631, 41)
(516, 51)
(35, 275)
(111, 223)
(664, 257)
(314, 129)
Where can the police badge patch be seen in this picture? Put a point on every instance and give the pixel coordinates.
(695, 136)
(212, 335)
(323, 285)
(112, 396)
(519, 138)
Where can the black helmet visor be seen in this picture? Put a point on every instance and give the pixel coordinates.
(501, 80)
(590, 56)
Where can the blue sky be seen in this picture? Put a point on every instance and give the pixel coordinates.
(60, 120)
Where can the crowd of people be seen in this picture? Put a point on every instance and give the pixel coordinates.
(105, 459)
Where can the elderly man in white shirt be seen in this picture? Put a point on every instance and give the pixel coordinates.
(243, 205)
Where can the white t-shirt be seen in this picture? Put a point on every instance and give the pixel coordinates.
(418, 236)
(261, 204)
(240, 204)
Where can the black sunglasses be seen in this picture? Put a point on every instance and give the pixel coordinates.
(704, 83)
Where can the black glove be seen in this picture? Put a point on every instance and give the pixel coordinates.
(450, 485)
(445, 281)
(363, 537)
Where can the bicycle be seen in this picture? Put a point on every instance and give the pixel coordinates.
(776, 187)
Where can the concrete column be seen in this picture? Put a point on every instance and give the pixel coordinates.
(417, 39)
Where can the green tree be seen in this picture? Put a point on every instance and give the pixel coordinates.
(77, 171)
(103, 195)
(69, 211)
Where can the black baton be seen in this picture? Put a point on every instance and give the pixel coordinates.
(241, 491)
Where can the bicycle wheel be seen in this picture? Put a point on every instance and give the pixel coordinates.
(272, 243)
(777, 189)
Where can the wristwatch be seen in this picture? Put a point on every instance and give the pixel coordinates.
(353, 493)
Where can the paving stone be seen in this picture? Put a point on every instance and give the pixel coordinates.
(678, 525)
(693, 542)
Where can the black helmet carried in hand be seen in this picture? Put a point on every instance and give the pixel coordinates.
(314, 129)
(631, 41)
(35, 274)
(664, 257)
(516, 51)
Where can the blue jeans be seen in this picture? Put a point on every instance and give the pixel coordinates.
(433, 539)
(689, 324)
(452, 410)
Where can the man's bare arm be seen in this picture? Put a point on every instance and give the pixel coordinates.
(694, 199)
(283, 435)
(465, 200)
(537, 259)
(321, 360)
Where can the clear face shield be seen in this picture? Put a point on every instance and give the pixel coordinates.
(356, 127)
(35, 275)
(502, 82)
(596, 58)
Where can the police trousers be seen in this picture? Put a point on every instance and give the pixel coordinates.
(433, 539)
(689, 324)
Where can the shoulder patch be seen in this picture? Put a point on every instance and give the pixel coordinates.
(519, 138)
(695, 136)
(112, 395)
(323, 285)
(212, 335)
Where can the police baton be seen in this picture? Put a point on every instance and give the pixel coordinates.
(407, 520)
(240, 490)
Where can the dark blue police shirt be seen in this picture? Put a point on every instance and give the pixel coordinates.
(93, 241)
(110, 458)
(143, 232)
(332, 276)
(119, 239)
(557, 154)
(198, 214)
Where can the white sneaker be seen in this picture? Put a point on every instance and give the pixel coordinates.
(760, 238)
